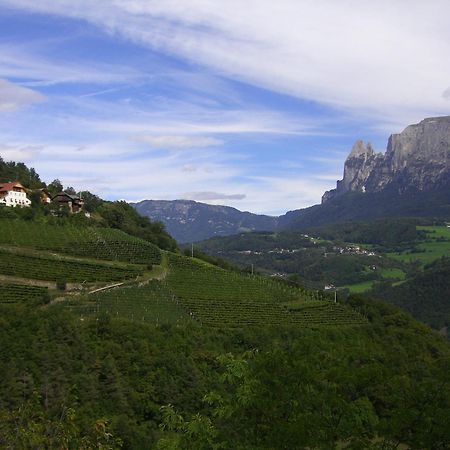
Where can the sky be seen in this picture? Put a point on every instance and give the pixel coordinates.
(251, 104)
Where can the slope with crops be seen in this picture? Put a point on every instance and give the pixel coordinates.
(99, 243)
(218, 297)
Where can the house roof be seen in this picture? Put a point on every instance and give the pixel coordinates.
(5, 187)
(69, 196)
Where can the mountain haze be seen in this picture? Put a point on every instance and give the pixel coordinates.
(189, 221)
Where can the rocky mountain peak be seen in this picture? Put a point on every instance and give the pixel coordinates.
(417, 159)
(361, 149)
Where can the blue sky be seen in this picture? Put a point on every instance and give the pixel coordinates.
(251, 104)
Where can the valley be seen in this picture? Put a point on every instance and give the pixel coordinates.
(115, 336)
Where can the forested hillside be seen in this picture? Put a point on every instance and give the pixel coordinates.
(111, 340)
(426, 297)
(117, 383)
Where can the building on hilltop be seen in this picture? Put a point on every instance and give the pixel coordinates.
(74, 203)
(13, 194)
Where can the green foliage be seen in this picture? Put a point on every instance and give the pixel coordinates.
(385, 234)
(16, 293)
(100, 243)
(151, 303)
(61, 284)
(426, 296)
(316, 261)
(257, 388)
(53, 268)
(124, 217)
(333, 390)
(28, 426)
(221, 298)
(12, 171)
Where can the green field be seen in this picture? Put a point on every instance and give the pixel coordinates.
(435, 245)
(358, 288)
(393, 273)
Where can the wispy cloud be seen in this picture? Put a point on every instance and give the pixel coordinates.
(349, 55)
(211, 196)
(178, 142)
(24, 154)
(14, 97)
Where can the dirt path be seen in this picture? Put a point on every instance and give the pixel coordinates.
(158, 273)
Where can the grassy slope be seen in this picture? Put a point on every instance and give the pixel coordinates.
(434, 246)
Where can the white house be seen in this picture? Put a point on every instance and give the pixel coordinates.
(13, 194)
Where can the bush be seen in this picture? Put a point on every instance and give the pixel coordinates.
(61, 284)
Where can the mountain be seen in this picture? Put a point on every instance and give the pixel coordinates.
(189, 221)
(411, 179)
(417, 159)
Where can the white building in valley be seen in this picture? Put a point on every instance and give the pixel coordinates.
(13, 194)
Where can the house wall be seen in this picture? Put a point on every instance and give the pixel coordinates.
(15, 198)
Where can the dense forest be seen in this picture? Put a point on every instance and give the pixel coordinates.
(123, 384)
(426, 296)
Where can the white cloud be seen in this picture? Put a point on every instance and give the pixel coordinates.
(38, 69)
(25, 154)
(383, 59)
(13, 96)
(179, 142)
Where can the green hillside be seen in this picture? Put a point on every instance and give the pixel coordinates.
(181, 354)
(93, 242)
(426, 296)
(189, 290)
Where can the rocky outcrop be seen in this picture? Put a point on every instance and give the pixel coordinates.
(417, 159)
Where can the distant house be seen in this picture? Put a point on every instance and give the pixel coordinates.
(45, 196)
(73, 202)
(13, 194)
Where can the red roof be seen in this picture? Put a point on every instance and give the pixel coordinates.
(5, 187)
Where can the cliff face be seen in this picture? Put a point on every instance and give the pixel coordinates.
(417, 159)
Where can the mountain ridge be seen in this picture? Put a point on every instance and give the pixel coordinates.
(188, 220)
(411, 179)
(417, 159)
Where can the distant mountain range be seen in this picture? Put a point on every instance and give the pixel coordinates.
(411, 179)
(189, 221)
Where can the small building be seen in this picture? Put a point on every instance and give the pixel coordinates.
(74, 203)
(45, 196)
(13, 194)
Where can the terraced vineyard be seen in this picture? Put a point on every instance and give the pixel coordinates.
(188, 277)
(53, 269)
(99, 243)
(151, 303)
(16, 293)
(325, 313)
(220, 298)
